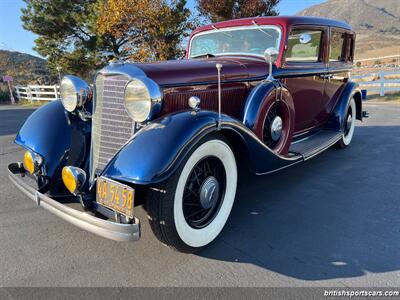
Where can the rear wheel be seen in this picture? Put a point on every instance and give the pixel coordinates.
(189, 210)
(348, 126)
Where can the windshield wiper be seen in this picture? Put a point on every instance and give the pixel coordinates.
(207, 55)
(259, 28)
(223, 32)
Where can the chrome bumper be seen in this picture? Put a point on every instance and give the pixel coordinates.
(104, 228)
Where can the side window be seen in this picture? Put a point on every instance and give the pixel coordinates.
(336, 52)
(304, 46)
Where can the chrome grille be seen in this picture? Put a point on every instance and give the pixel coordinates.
(111, 125)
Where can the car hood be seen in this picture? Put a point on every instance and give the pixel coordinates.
(193, 71)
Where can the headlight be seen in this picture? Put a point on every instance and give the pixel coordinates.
(142, 99)
(74, 92)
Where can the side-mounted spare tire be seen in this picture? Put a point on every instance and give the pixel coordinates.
(269, 113)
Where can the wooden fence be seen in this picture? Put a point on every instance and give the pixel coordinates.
(371, 82)
(379, 81)
(38, 92)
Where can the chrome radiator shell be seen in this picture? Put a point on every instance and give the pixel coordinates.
(111, 125)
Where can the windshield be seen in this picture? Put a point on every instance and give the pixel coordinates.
(237, 40)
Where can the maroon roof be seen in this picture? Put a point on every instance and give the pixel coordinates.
(283, 21)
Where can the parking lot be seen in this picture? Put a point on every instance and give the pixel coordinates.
(332, 221)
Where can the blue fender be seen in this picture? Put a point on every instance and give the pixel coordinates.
(338, 115)
(157, 150)
(51, 133)
(253, 103)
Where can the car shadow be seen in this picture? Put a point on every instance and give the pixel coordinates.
(334, 216)
(12, 119)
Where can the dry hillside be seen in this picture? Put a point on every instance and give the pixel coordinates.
(376, 22)
(23, 67)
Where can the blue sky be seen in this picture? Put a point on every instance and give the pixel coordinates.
(14, 37)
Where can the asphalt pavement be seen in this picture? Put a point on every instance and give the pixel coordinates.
(331, 221)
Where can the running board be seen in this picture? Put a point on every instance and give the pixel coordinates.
(315, 144)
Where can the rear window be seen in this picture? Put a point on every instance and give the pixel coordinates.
(336, 52)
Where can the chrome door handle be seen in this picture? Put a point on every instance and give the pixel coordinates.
(326, 76)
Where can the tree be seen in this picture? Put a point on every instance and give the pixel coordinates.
(358, 64)
(66, 35)
(152, 29)
(81, 36)
(221, 10)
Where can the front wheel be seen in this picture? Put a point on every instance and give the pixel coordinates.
(189, 210)
(349, 125)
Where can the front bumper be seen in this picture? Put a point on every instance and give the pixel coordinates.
(104, 228)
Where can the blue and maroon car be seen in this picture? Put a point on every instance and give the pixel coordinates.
(265, 92)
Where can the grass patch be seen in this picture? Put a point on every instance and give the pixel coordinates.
(392, 97)
(27, 103)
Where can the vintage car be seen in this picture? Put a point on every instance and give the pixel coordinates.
(265, 92)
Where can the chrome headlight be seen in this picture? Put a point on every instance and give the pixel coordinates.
(142, 99)
(74, 92)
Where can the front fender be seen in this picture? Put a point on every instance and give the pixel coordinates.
(158, 149)
(52, 134)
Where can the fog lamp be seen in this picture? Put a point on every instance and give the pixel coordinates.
(32, 161)
(73, 178)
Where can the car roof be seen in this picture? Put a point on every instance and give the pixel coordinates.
(283, 21)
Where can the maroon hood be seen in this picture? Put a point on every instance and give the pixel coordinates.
(186, 71)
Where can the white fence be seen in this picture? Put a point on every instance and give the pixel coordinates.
(379, 81)
(38, 92)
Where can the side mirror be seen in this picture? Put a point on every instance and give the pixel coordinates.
(304, 38)
(270, 55)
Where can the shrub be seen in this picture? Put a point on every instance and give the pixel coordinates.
(4, 97)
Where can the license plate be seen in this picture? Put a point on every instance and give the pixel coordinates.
(116, 196)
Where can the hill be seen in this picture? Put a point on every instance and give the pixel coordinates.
(376, 22)
(23, 67)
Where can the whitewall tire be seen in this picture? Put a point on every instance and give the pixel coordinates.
(348, 126)
(198, 199)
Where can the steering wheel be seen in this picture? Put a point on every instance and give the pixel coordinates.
(205, 49)
(256, 50)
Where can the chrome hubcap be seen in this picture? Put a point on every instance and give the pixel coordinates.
(276, 128)
(209, 192)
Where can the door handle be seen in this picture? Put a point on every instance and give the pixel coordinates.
(326, 76)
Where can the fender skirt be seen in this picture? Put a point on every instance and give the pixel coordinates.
(157, 150)
(50, 132)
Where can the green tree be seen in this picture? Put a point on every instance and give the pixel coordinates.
(66, 33)
(221, 10)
